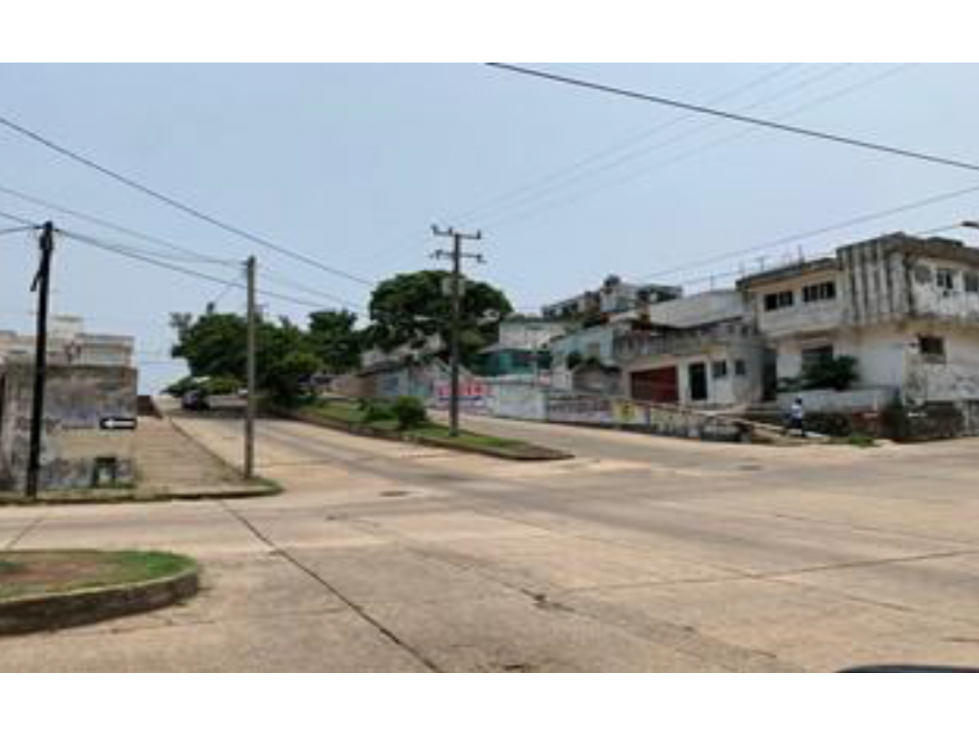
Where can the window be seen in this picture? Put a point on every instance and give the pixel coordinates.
(932, 348)
(782, 299)
(971, 282)
(819, 292)
(740, 367)
(719, 369)
(945, 279)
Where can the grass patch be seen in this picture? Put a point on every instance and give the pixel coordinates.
(36, 573)
(355, 415)
(466, 438)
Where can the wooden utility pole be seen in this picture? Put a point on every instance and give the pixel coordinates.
(456, 255)
(251, 397)
(42, 285)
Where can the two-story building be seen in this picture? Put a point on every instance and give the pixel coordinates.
(522, 347)
(698, 351)
(906, 308)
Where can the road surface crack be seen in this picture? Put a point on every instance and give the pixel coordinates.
(350, 603)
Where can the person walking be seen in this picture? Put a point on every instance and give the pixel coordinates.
(796, 418)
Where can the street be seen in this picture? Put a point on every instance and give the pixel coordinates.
(641, 554)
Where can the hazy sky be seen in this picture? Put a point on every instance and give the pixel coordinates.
(351, 165)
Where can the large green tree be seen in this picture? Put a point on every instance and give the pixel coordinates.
(409, 308)
(214, 346)
(334, 338)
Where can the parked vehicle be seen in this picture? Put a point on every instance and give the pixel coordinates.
(195, 400)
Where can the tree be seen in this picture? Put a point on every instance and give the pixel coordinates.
(334, 339)
(214, 346)
(409, 308)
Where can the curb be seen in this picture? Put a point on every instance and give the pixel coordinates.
(51, 499)
(86, 606)
(547, 454)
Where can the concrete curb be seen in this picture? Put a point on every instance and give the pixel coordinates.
(546, 454)
(86, 606)
(137, 496)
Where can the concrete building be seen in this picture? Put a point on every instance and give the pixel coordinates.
(69, 343)
(906, 308)
(91, 384)
(522, 348)
(613, 297)
(700, 351)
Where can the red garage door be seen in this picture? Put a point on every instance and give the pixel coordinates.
(657, 386)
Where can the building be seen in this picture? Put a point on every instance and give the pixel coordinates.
(905, 308)
(522, 348)
(699, 351)
(69, 343)
(91, 392)
(613, 297)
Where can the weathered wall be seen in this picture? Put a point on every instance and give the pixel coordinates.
(843, 401)
(576, 408)
(76, 399)
(732, 389)
(520, 400)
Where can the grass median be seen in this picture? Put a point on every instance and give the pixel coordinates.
(375, 419)
(41, 573)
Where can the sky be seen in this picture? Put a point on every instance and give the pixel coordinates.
(350, 165)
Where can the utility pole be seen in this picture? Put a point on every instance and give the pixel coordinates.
(250, 403)
(456, 255)
(42, 285)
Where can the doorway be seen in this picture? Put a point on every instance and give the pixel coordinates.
(697, 374)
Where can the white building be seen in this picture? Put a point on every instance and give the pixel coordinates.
(69, 343)
(614, 296)
(906, 308)
(700, 351)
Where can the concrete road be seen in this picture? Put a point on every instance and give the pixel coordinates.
(641, 554)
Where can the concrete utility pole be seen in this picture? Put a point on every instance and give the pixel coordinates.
(250, 403)
(456, 255)
(42, 284)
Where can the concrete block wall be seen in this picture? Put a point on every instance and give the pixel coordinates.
(74, 445)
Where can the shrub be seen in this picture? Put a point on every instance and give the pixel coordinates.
(410, 412)
(836, 373)
(377, 410)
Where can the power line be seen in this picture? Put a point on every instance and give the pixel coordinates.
(20, 220)
(15, 230)
(597, 163)
(545, 182)
(846, 224)
(735, 117)
(684, 155)
(135, 255)
(185, 271)
(186, 208)
(312, 291)
(108, 224)
(193, 255)
(628, 157)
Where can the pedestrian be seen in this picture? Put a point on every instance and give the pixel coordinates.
(796, 419)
